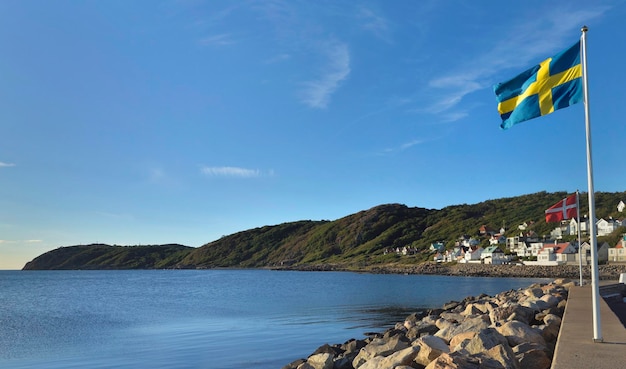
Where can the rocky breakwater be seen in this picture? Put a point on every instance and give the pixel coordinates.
(516, 329)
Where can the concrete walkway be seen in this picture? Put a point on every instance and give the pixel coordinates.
(575, 347)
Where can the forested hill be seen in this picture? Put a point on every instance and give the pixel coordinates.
(355, 240)
(99, 256)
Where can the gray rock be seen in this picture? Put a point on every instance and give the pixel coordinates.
(450, 305)
(551, 327)
(534, 359)
(485, 340)
(468, 325)
(379, 347)
(402, 357)
(320, 361)
(452, 317)
(430, 347)
(454, 360)
(551, 300)
(353, 346)
(504, 355)
(294, 364)
(511, 312)
(421, 329)
(517, 332)
(533, 292)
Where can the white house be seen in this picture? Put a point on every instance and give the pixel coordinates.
(534, 248)
(513, 243)
(493, 255)
(603, 253)
(472, 255)
(439, 257)
(452, 255)
(621, 206)
(470, 242)
(618, 253)
(497, 239)
(606, 227)
(554, 254)
(573, 226)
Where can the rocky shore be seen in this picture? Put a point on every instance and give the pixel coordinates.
(606, 272)
(516, 329)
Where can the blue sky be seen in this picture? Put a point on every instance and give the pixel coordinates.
(151, 122)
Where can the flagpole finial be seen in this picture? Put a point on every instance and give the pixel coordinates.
(584, 29)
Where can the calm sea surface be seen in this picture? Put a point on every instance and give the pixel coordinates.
(218, 319)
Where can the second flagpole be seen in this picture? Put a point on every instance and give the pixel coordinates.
(595, 296)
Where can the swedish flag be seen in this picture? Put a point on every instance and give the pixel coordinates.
(553, 84)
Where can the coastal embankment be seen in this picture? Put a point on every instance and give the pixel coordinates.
(606, 272)
(514, 329)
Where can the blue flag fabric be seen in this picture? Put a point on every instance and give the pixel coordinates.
(553, 84)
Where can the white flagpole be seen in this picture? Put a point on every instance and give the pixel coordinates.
(595, 297)
(580, 246)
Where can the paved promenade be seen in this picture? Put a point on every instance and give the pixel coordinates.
(575, 347)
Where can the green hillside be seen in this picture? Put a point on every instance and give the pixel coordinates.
(353, 241)
(98, 256)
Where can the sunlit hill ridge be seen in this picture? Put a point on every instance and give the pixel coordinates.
(356, 240)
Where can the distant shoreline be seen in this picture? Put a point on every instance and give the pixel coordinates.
(606, 272)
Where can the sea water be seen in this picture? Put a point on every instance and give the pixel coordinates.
(218, 319)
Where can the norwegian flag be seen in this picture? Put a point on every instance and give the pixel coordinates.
(564, 209)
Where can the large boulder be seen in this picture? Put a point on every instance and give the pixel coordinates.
(511, 312)
(420, 329)
(454, 360)
(534, 359)
(550, 300)
(533, 292)
(430, 347)
(460, 338)
(517, 332)
(475, 324)
(504, 355)
(485, 340)
(380, 347)
(550, 328)
(318, 361)
(402, 357)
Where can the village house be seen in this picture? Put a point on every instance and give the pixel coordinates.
(573, 226)
(493, 255)
(555, 254)
(617, 254)
(453, 255)
(602, 254)
(486, 231)
(466, 241)
(606, 227)
(472, 255)
(437, 247)
(438, 258)
(515, 243)
(497, 239)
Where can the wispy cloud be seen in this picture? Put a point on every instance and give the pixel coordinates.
(401, 147)
(5, 165)
(525, 44)
(374, 23)
(3, 242)
(278, 58)
(410, 144)
(222, 39)
(235, 172)
(317, 93)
